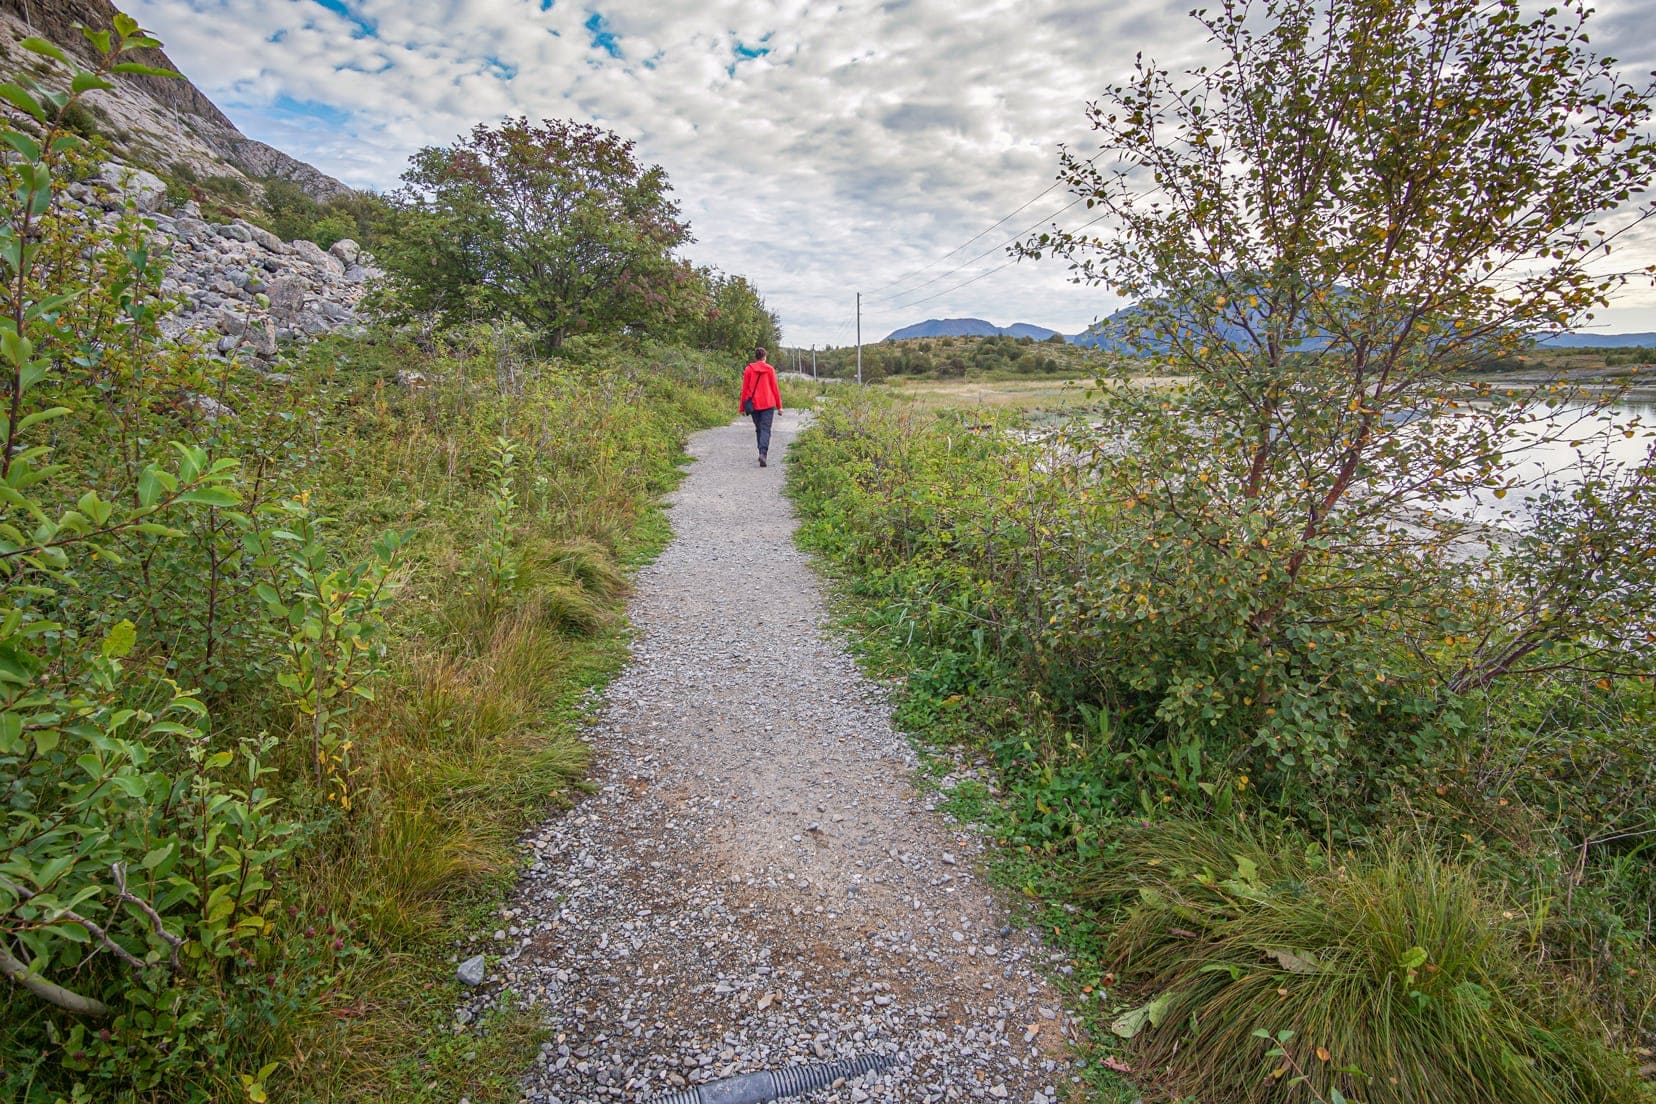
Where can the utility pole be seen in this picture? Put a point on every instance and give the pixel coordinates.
(813, 362)
(859, 337)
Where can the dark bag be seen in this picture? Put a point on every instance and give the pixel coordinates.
(747, 406)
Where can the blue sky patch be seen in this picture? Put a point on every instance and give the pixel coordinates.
(602, 37)
(744, 52)
(364, 28)
(289, 110)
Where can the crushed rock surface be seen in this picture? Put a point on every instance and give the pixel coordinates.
(755, 882)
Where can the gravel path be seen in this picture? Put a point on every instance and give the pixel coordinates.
(754, 883)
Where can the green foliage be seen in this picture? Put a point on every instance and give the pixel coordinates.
(333, 617)
(1035, 615)
(1391, 978)
(500, 570)
(554, 225)
(735, 319)
(1267, 558)
(226, 188)
(296, 216)
(994, 357)
(142, 848)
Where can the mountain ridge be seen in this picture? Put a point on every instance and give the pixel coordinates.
(1102, 334)
(968, 327)
(155, 123)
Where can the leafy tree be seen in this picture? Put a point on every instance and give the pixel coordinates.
(734, 318)
(1359, 199)
(556, 225)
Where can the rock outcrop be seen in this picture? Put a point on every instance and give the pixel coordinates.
(242, 289)
(161, 122)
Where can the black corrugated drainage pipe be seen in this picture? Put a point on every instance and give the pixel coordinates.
(768, 1085)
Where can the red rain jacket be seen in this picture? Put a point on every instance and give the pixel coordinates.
(759, 384)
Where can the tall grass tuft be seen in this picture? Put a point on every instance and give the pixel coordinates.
(418, 860)
(1401, 976)
(583, 561)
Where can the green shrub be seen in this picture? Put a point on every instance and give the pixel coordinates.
(225, 187)
(1399, 976)
(78, 118)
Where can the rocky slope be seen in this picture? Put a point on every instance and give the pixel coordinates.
(241, 289)
(165, 125)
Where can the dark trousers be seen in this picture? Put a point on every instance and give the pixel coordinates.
(762, 426)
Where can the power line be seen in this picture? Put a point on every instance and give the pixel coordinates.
(1050, 188)
(981, 233)
(992, 271)
(1037, 224)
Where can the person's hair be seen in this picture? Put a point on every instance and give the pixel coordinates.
(759, 354)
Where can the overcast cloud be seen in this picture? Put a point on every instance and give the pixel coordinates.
(819, 147)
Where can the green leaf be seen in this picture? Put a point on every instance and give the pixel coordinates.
(88, 82)
(158, 856)
(210, 496)
(37, 45)
(39, 416)
(132, 785)
(27, 147)
(136, 69)
(119, 642)
(153, 482)
(1413, 958)
(1131, 1023)
(21, 100)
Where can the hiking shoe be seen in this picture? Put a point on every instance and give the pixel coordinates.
(761, 459)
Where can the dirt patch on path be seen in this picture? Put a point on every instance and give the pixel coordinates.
(755, 883)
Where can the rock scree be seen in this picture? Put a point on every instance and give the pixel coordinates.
(754, 882)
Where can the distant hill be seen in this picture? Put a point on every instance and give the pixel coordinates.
(968, 327)
(1597, 341)
(1110, 334)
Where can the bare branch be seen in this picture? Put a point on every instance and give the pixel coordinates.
(173, 941)
(50, 992)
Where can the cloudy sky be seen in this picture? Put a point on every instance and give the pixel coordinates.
(819, 147)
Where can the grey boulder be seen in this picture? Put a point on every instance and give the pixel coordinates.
(471, 971)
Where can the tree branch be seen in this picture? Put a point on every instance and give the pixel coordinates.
(173, 941)
(51, 993)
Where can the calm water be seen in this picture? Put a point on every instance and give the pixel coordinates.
(1551, 451)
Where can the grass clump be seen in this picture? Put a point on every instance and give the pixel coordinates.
(1398, 976)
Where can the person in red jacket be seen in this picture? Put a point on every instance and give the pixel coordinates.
(761, 399)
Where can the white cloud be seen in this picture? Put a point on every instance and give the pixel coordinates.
(872, 137)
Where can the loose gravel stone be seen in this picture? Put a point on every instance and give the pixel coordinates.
(470, 972)
(754, 882)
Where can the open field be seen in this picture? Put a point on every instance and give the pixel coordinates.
(1034, 394)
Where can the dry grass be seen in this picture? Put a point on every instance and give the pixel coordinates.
(1034, 395)
(1042, 394)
